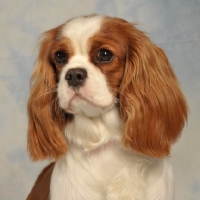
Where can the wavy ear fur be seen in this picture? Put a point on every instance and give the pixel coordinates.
(46, 119)
(152, 105)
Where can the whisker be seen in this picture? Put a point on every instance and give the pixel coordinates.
(46, 92)
(54, 106)
(120, 93)
(121, 105)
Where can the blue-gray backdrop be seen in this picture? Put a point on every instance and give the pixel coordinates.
(172, 24)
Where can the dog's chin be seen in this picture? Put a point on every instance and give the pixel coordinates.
(88, 107)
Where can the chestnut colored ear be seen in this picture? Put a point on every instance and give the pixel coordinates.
(152, 105)
(46, 119)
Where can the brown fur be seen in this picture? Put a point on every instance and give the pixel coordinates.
(41, 188)
(151, 103)
(46, 119)
(113, 70)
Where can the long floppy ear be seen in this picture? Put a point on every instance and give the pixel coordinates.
(152, 105)
(46, 119)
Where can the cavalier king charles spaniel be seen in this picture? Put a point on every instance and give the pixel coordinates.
(106, 106)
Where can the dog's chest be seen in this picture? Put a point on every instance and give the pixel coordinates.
(95, 175)
(84, 175)
(96, 162)
(97, 166)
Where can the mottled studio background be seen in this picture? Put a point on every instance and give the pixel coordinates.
(173, 24)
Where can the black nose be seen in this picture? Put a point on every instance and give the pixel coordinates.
(76, 77)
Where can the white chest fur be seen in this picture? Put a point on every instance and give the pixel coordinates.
(98, 167)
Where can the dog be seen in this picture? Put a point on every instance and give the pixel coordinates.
(106, 106)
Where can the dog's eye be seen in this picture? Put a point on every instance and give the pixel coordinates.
(61, 57)
(104, 56)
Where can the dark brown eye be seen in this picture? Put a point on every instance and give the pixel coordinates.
(61, 57)
(104, 56)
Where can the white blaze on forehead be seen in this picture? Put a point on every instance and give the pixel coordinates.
(79, 30)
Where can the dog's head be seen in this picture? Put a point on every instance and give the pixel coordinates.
(90, 64)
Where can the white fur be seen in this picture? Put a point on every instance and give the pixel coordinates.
(79, 30)
(97, 166)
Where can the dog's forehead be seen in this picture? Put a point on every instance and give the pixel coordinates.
(80, 29)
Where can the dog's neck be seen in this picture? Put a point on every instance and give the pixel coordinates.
(90, 133)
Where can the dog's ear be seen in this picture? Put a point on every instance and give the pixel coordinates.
(152, 105)
(46, 119)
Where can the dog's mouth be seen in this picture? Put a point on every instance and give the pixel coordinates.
(79, 102)
(87, 99)
(92, 98)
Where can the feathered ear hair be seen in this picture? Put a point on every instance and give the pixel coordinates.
(46, 119)
(152, 105)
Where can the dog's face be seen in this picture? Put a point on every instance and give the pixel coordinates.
(90, 63)
(88, 66)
